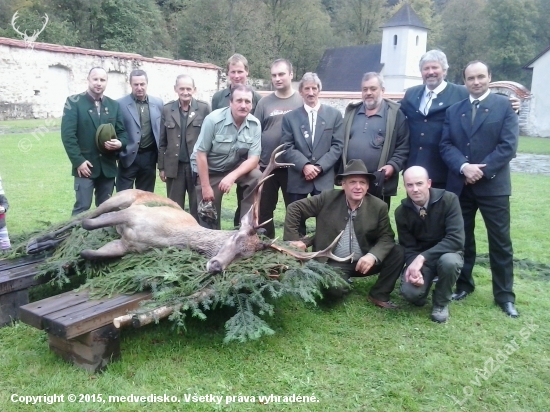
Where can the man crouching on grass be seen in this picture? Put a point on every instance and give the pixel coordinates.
(367, 232)
(430, 228)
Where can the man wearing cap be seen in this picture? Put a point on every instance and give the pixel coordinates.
(141, 113)
(431, 230)
(92, 150)
(367, 232)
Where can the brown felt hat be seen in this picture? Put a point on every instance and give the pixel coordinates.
(354, 167)
(104, 133)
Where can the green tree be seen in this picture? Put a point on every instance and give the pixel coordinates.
(465, 34)
(359, 21)
(511, 38)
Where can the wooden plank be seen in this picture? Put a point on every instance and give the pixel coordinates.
(22, 277)
(33, 313)
(93, 351)
(92, 317)
(13, 263)
(9, 306)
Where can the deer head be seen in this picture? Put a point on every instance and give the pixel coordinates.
(245, 242)
(29, 40)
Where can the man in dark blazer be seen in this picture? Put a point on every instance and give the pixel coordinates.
(180, 128)
(367, 232)
(314, 135)
(480, 138)
(93, 170)
(141, 114)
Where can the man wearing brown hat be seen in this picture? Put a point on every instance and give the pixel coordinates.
(90, 144)
(367, 232)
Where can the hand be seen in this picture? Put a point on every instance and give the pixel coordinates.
(298, 244)
(226, 183)
(310, 171)
(413, 273)
(516, 103)
(389, 171)
(365, 264)
(84, 170)
(473, 172)
(162, 175)
(113, 144)
(207, 193)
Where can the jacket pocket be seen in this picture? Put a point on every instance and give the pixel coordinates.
(169, 125)
(222, 144)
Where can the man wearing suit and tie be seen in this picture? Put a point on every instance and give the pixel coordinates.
(94, 167)
(314, 134)
(181, 125)
(480, 137)
(141, 114)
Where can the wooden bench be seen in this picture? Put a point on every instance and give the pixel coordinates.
(16, 277)
(80, 329)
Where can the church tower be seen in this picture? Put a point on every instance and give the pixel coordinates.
(404, 39)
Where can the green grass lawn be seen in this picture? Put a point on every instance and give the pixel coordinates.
(350, 355)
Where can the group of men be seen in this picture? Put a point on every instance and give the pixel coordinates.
(443, 136)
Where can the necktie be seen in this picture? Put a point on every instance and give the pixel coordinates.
(312, 125)
(428, 102)
(475, 103)
(422, 212)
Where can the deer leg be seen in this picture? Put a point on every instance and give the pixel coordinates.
(105, 220)
(120, 201)
(111, 250)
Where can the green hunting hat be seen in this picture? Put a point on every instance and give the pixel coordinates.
(104, 133)
(354, 167)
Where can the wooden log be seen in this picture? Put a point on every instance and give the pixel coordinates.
(146, 318)
(124, 320)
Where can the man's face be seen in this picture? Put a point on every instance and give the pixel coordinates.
(310, 93)
(139, 87)
(281, 77)
(433, 74)
(97, 82)
(477, 79)
(237, 73)
(372, 93)
(355, 187)
(185, 89)
(417, 186)
(241, 105)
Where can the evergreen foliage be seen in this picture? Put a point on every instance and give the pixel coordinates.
(178, 279)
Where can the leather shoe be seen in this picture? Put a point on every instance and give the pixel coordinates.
(459, 295)
(381, 304)
(509, 309)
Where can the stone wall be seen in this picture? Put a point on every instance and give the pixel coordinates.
(34, 83)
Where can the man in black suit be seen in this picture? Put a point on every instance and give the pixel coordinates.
(480, 137)
(314, 134)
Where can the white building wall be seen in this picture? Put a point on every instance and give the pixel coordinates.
(540, 105)
(35, 83)
(401, 60)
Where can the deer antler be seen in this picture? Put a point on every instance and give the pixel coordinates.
(305, 256)
(253, 214)
(13, 18)
(37, 32)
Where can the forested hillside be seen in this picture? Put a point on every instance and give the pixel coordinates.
(506, 33)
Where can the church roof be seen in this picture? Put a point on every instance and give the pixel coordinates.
(405, 16)
(342, 68)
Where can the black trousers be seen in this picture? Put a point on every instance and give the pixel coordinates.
(270, 197)
(142, 171)
(495, 211)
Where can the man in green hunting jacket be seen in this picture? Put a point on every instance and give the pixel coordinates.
(93, 158)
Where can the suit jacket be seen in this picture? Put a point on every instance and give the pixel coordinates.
(78, 127)
(492, 139)
(325, 150)
(133, 126)
(397, 137)
(171, 130)
(371, 224)
(425, 131)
